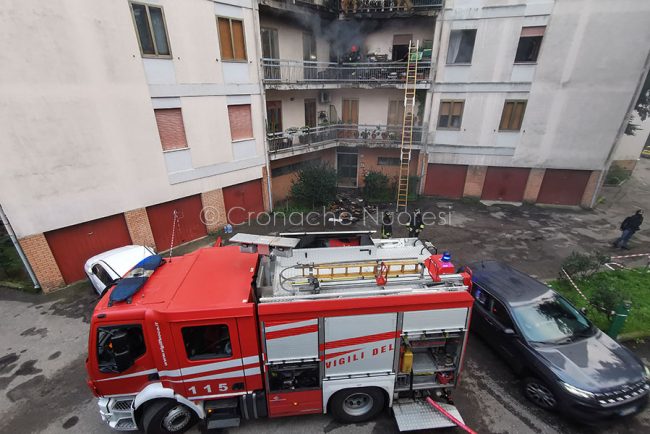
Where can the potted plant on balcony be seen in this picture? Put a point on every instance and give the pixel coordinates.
(304, 137)
(290, 132)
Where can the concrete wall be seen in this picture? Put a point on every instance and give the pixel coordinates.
(578, 91)
(76, 120)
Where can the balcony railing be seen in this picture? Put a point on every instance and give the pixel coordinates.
(361, 6)
(278, 71)
(381, 135)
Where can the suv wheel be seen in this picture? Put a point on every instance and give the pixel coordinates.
(539, 393)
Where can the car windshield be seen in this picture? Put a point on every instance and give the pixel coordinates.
(552, 321)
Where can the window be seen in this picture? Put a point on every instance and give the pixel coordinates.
(241, 123)
(231, 39)
(480, 296)
(388, 161)
(207, 342)
(171, 128)
(451, 114)
(529, 43)
(152, 32)
(501, 314)
(512, 116)
(270, 44)
(131, 340)
(293, 167)
(461, 46)
(102, 274)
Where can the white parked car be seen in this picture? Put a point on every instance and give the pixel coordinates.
(105, 268)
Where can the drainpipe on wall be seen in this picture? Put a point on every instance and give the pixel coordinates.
(621, 129)
(260, 72)
(14, 240)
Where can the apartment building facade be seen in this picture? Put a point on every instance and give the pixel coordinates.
(517, 100)
(122, 121)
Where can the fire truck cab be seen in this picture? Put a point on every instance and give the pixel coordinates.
(265, 329)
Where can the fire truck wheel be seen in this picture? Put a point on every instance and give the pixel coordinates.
(357, 405)
(539, 393)
(165, 417)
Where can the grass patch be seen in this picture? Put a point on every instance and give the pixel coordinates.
(633, 285)
(12, 271)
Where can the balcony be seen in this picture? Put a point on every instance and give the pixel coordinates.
(297, 141)
(292, 74)
(392, 7)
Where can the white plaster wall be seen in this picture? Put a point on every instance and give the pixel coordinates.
(77, 130)
(290, 39)
(380, 41)
(589, 66)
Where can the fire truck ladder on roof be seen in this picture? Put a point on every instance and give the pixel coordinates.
(407, 126)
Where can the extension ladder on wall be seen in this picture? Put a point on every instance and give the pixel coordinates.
(407, 126)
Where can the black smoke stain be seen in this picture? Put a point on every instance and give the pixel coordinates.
(69, 423)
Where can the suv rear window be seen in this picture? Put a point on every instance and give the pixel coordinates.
(207, 342)
(105, 353)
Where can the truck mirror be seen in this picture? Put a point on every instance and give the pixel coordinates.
(121, 351)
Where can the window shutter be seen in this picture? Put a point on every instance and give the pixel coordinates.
(505, 116)
(225, 41)
(171, 128)
(241, 123)
(533, 31)
(238, 40)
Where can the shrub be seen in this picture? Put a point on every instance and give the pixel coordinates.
(377, 187)
(606, 298)
(314, 185)
(583, 265)
(616, 175)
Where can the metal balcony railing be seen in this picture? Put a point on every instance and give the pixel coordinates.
(386, 135)
(279, 71)
(361, 6)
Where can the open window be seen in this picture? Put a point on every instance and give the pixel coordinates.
(118, 347)
(290, 377)
(207, 342)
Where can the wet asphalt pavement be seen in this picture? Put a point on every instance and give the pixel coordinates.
(43, 337)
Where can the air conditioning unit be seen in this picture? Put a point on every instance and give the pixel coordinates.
(324, 97)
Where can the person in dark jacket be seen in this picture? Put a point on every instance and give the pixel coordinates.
(387, 225)
(415, 224)
(629, 226)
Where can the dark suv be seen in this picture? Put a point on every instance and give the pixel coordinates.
(566, 363)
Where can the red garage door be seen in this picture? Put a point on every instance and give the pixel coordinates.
(72, 246)
(505, 183)
(563, 187)
(447, 180)
(240, 199)
(189, 225)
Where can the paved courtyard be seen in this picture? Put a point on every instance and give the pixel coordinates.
(43, 347)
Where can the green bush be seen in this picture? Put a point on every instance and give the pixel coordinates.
(606, 298)
(616, 175)
(377, 187)
(314, 185)
(582, 265)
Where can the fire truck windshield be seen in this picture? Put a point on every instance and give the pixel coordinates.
(118, 347)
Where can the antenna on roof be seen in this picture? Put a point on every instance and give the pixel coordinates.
(174, 221)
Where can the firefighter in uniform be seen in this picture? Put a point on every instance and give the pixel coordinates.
(415, 224)
(387, 225)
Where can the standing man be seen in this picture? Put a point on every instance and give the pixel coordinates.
(387, 225)
(415, 224)
(629, 226)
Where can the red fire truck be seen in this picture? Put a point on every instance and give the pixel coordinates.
(279, 326)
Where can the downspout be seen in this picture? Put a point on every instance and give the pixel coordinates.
(621, 129)
(14, 240)
(260, 72)
(434, 66)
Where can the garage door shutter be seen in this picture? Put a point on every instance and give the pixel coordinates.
(189, 227)
(505, 183)
(240, 199)
(563, 187)
(72, 246)
(446, 180)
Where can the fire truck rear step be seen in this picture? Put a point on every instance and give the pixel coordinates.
(222, 413)
(414, 415)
